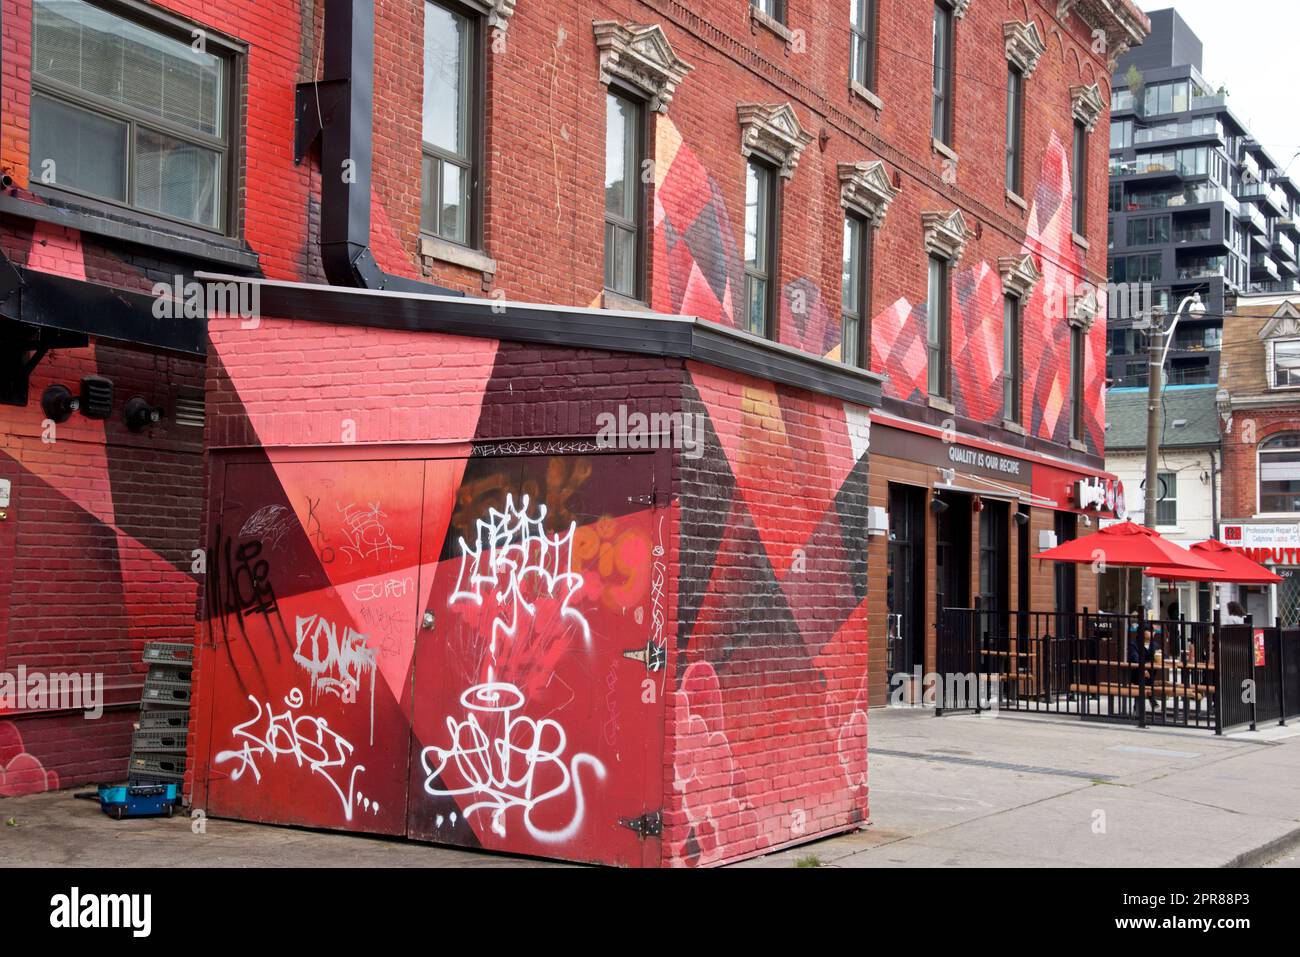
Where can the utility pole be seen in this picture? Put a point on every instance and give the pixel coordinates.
(1155, 382)
(1158, 342)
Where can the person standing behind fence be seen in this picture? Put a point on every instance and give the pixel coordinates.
(1236, 614)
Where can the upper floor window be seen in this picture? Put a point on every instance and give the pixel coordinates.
(1279, 473)
(130, 112)
(1078, 339)
(760, 242)
(1286, 363)
(941, 125)
(450, 174)
(1079, 210)
(937, 328)
(855, 290)
(1011, 357)
(772, 8)
(1015, 126)
(624, 219)
(862, 42)
(1167, 498)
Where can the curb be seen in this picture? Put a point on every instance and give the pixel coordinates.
(1267, 852)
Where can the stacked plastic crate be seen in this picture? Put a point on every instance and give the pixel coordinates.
(158, 745)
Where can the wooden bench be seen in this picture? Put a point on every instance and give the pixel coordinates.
(1127, 690)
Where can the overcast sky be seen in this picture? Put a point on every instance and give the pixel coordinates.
(1253, 48)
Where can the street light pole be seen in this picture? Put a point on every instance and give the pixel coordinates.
(1157, 349)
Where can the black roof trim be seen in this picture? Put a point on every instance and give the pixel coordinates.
(642, 333)
(105, 312)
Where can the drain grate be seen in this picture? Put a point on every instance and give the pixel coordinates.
(997, 765)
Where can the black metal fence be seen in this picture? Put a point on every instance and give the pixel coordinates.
(1091, 665)
(1260, 674)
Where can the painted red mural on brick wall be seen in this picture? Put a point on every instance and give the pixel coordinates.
(477, 643)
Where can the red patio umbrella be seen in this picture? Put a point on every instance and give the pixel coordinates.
(1127, 545)
(1234, 567)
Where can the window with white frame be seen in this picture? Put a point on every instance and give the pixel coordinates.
(1167, 498)
(1286, 363)
(1279, 474)
(132, 111)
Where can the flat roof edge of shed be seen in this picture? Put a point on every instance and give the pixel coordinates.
(607, 330)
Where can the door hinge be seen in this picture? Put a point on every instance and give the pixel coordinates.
(650, 824)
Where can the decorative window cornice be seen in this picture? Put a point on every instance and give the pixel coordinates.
(640, 55)
(945, 234)
(1087, 104)
(499, 13)
(1083, 308)
(772, 131)
(1024, 45)
(1019, 275)
(866, 189)
(1285, 324)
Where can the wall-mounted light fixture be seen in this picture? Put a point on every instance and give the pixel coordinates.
(1022, 518)
(140, 414)
(58, 403)
(938, 505)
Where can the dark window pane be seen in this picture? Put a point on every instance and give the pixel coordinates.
(177, 178)
(77, 149)
(756, 289)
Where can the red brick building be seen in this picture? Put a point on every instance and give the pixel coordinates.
(799, 174)
(1259, 405)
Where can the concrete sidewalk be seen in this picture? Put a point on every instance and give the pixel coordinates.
(1021, 791)
(955, 791)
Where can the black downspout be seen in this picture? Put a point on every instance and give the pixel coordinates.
(339, 110)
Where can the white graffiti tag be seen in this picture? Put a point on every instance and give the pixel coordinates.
(336, 667)
(307, 739)
(365, 532)
(499, 764)
(514, 556)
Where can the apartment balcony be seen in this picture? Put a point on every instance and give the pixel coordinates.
(1284, 248)
(1250, 170)
(1217, 101)
(1266, 194)
(1191, 195)
(1263, 268)
(1250, 215)
(1201, 128)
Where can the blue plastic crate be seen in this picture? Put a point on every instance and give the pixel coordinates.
(146, 800)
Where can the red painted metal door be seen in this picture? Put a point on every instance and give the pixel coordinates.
(538, 678)
(313, 575)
